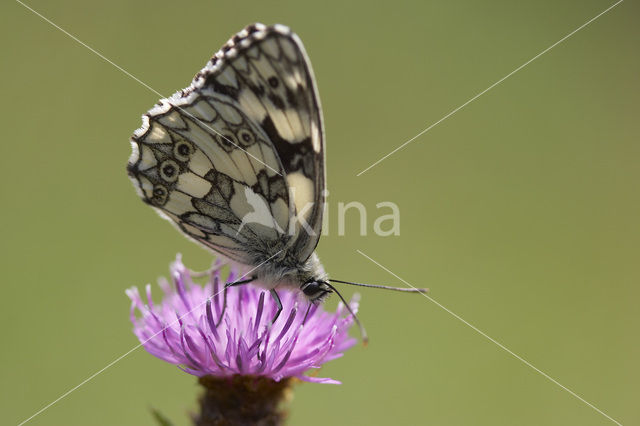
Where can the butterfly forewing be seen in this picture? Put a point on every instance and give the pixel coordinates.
(236, 160)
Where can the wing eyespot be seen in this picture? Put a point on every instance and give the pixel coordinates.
(160, 195)
(227, 140)
(274, 82)
(169, 171)
(246, 137)
(183, 150)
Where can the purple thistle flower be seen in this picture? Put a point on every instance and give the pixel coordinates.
(182, 329)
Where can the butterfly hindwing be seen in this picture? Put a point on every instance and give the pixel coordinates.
(236, 157)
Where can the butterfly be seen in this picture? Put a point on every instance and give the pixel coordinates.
(237, 160)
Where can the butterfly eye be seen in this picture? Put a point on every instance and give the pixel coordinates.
(159, 195)
(273, 82)
(183, 150)
(169, 170)
(246, 137)
(227, 140)
(310, 288)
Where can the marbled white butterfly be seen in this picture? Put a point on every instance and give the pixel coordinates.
(236, 160)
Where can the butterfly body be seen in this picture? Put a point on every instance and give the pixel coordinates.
(294, 276)
(236, 160)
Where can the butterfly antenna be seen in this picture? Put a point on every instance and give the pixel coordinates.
(363, 332)
(385, 287)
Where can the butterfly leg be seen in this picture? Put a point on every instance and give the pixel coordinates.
(275, 296)
(304, 321)
(224, 298)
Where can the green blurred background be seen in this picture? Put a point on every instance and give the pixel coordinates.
(520, 211)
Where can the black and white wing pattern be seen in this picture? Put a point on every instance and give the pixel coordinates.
(236, 160)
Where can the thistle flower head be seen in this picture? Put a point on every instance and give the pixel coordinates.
(182, 329)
